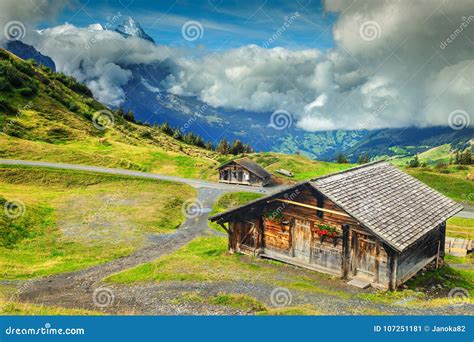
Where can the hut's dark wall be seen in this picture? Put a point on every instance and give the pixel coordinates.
(419, 255)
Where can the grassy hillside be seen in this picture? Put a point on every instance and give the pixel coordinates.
(51, 117)
(302, 167)
(439, 154)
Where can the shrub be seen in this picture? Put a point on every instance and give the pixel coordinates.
(73, 107)
(24, 67)
(26, 92)
(147, 135)
(5, 106)
(4, 84)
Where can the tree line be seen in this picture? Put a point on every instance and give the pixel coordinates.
(224, 147)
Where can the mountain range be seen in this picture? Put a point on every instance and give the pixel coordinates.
(152, 103)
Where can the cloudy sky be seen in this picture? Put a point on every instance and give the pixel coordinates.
(340, 64)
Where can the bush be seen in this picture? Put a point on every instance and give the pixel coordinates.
(5, 106)
(441, 165)
(24, 67)
(4, 84)
(147, 135)
(26, 92)
(73, 107)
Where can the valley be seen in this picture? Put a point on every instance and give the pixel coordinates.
(81, 230)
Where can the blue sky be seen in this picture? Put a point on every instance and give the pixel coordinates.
(227, 24)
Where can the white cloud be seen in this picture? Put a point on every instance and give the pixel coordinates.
(392, 66)
(28, 13)
(388, 69)
(99, 58)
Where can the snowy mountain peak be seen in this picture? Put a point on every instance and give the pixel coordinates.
(131, 27)
(95, 27)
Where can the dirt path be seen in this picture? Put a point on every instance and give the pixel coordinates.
(76, 289)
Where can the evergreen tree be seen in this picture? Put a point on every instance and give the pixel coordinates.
(223, 147)
(166, 128)
(341, 158)
(248, 149)
(177, 134)
(467, 157)
(237, 147)
(120, 111)
(129, 116)
(414, 162)
(363, 158)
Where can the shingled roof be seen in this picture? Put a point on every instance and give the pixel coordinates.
(392, 204)
(249, 165)
(395, 206)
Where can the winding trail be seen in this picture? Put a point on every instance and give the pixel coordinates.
(75, 289)
(196, 183)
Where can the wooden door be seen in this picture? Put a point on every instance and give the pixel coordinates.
(364, 255)
(302, 240)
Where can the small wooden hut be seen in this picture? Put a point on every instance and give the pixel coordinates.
(372, 223)
(245, 172)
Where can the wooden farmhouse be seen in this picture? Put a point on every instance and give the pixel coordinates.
(372, 223)
(243, 171)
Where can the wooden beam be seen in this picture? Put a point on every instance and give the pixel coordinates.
(223, 226)
(346, 251)
(310, 207)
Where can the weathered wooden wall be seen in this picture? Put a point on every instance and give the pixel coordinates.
(282, 241)
(418, 255)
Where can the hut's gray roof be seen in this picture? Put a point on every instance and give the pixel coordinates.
(392, 204)
(395, 206)
(249, 165)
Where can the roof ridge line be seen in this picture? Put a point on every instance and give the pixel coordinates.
(349, 170)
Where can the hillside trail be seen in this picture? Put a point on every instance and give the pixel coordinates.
(75, 289)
